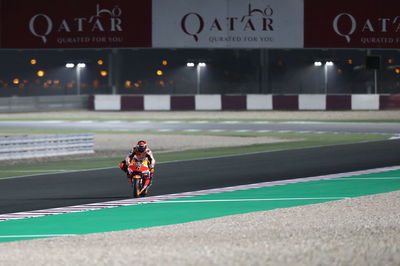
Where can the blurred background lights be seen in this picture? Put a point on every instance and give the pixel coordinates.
(69, 65)
(33, 61)
(16, 81)
(40, 73)
(159, 72)
(100, 62)
(103, 73)
(164, 62)
(128, 84)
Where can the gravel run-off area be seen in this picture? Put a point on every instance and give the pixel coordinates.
(357, 231)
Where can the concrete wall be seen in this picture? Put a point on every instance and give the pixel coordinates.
(244, 102)
(44, 103)
(202, 102)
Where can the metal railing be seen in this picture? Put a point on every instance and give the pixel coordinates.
(45, 146)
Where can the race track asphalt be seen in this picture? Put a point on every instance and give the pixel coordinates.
(74, 188)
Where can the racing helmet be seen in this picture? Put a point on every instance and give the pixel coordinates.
(141, 146)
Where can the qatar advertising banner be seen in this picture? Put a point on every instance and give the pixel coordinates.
(227, 23)
(352, 24)
(75, 23)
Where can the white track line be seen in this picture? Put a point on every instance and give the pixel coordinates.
(368, 178)
(128, 202)
(241, 200)
(34, 236)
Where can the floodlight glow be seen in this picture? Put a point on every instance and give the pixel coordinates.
(81, 65)
(190, 64)
(329, 63)
(318, 63)
(69, 65)
(40, 73)
(202, 64)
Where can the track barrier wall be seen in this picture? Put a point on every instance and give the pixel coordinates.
(218, 102)
(44, 146)
(44, 103)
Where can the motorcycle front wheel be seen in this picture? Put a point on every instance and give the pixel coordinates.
(136, 187)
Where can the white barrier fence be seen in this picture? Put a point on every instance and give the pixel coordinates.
(44, 146)
(43, 103)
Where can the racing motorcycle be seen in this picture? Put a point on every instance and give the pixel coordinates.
(139, 177)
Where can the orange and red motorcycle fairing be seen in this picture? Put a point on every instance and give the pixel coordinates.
(139, 177)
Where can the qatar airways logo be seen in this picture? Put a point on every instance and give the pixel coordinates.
(254, 19)
(104, 20)
(345, 25)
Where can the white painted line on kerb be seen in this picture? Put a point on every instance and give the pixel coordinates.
(242, 200)
(367, 178)
(35, 236)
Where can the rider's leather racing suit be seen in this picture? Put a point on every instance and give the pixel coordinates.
(147, 153)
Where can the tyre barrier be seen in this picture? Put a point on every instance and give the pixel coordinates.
(45, 146)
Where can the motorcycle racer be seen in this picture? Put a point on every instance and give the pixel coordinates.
(141, 151)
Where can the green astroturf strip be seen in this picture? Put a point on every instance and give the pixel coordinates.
(198, 208)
